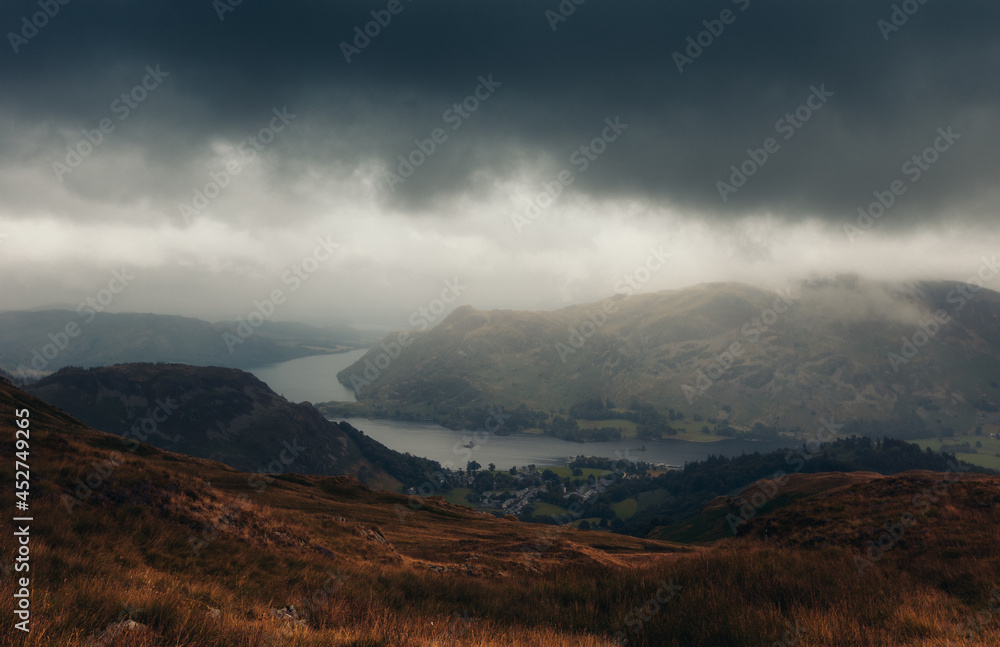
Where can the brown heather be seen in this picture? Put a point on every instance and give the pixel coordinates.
(444, 575)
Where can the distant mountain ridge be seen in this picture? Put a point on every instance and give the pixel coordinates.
(33, 344)
(226, 415)
(856, 348)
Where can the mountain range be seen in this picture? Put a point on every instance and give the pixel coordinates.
(36, 343)
(847, 347)
(226, 415)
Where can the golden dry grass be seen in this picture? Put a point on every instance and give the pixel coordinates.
(367, 570)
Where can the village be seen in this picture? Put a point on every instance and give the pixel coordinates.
(531, 491)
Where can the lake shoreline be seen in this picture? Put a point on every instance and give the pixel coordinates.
(314, 379)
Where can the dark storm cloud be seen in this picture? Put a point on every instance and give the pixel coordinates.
(889, 95)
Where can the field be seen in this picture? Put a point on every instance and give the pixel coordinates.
(543, 509)
(457, 496)
(567, 472)
(988, 455)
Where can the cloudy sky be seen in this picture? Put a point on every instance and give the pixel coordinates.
(205, 147)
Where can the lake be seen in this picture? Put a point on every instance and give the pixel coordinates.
(310, 379)
(447, 446)
(314, 379)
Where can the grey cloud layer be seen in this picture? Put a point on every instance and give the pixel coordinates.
(890, 96)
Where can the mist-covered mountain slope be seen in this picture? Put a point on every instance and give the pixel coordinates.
(844, 347)
(226, 415)
(36, 343)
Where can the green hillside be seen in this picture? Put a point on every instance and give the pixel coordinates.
(726, 352)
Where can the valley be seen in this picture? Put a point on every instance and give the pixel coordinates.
(707, 363)
(170, 549)
(499, 324)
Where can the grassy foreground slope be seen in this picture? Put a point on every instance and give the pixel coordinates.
(189, 550)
